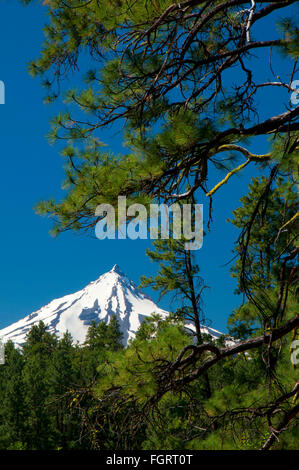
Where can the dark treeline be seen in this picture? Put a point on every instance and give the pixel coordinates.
(58, 395)
(39, 383)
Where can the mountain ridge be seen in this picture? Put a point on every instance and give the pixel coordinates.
(112, 293)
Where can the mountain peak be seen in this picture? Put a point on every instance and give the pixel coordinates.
(101, 299)
(117, 269)
(109, 295)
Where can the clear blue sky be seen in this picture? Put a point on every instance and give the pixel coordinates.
(35, 268)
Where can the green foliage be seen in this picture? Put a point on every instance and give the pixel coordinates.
(159, 72)
(161, 78)
(50, 399)
(178, 276)
(133, 369)
(102, 336)
(39, 383)
(267, 239)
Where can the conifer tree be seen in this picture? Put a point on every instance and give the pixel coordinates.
(13, 414)
(178, 276)
(38, 350)
(61, 379)
(266, 252)
(101, 336)
(160, 69)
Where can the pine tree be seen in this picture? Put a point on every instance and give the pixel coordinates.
(268, 241)
(13, 413)
(61, 379)
(38, 350)
(178, 276)
(266, 265)
(101, 336)
(182, 119)
(96, 335)
(114, 335)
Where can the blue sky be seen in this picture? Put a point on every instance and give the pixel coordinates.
(35, 268)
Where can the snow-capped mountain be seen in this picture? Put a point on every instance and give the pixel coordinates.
(112, 293)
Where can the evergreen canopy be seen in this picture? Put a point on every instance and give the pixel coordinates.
(183, 82)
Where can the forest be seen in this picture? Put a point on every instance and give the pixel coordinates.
(56, 395)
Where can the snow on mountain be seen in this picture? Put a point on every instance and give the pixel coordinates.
(112, 293)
